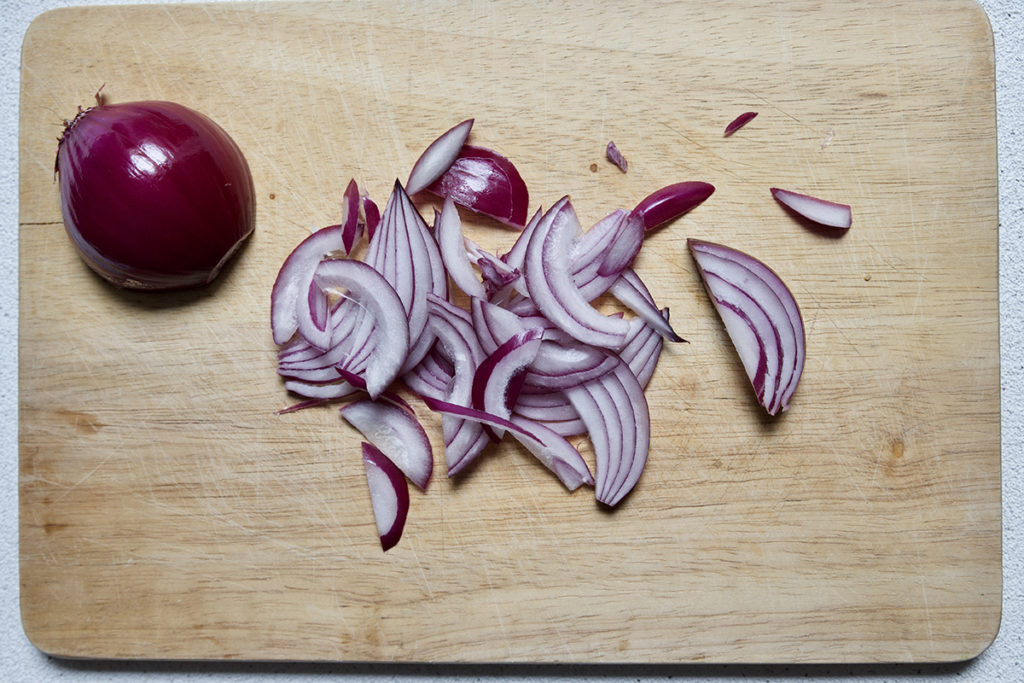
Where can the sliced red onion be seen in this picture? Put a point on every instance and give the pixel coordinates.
(369, 214)
(632, 293)
(450, 240)
(438, 157)
(320, 391)
(294, 279)
(740, 121)
(820, 211)
(398, 435)
(515, 256)
(615, 156)
(481, 416)
(557, 454)
(549, 280)
(351, 226)
(617, 417)
(389, 495)
(376, 296)
(486, 182)
(499, 378)
(761, 317)
(672, 201)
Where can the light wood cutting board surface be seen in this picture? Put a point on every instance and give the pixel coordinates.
(168, 512)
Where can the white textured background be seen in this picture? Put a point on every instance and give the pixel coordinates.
(1003, 661)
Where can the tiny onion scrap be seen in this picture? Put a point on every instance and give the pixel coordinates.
(154, 195)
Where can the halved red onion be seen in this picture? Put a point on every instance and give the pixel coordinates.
(390, 325)
(438, 157)
(820, 211)
(398, 435)
(548, 278)
(672, 201)
(486, 182)
(615, 412)
(761, 317)
(740, 121)
(389, 495)
(294, 279)
(615, 156)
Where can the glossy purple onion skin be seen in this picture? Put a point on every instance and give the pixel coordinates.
(672, 201)
(486, 182)
(154, 195)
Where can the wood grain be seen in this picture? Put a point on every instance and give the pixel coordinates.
(168, 512)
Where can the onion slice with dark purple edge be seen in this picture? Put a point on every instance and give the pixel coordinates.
(375, 295)
(499, 378)
(672, 201)
(740, 121)
(398, 435)
(481, 416)
(389, 495)
(485, 182)
(438, 157)
(549, 280)
(615, 156)
(351, 226)
(615, 412)
(748, 294)
(288, 298)
(820, 211)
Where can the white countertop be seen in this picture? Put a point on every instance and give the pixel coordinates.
(20, 661)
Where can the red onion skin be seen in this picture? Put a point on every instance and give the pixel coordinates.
(740, 121)
(154, 195)
(672, 201)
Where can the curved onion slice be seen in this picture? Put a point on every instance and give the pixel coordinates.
(376, 296)
(549, 280)
(820, 211)
(557, 454)
(761, 317)
(740, 121)
(486, 182)
(398, 435)
(672, 201)
(452, 244)
(294, 280)
(389, 495)
(499, 379)
(438, 157)
(615, 412)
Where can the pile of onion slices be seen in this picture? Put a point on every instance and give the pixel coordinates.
(502, 345)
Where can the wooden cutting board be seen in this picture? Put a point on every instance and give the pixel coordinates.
(168, 512)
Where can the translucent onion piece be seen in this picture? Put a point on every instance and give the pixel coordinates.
(615, 156)
(438, 157)
(398, 435)
(389, 496)
(288, 298)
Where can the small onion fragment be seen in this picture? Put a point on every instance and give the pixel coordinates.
(740, 121)
(761, 317)
(154, 195)
(672, 201)
(389, 495)
(438, 157)
(615, 156)
(820, 211)
(486, 182)
(398, 435)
